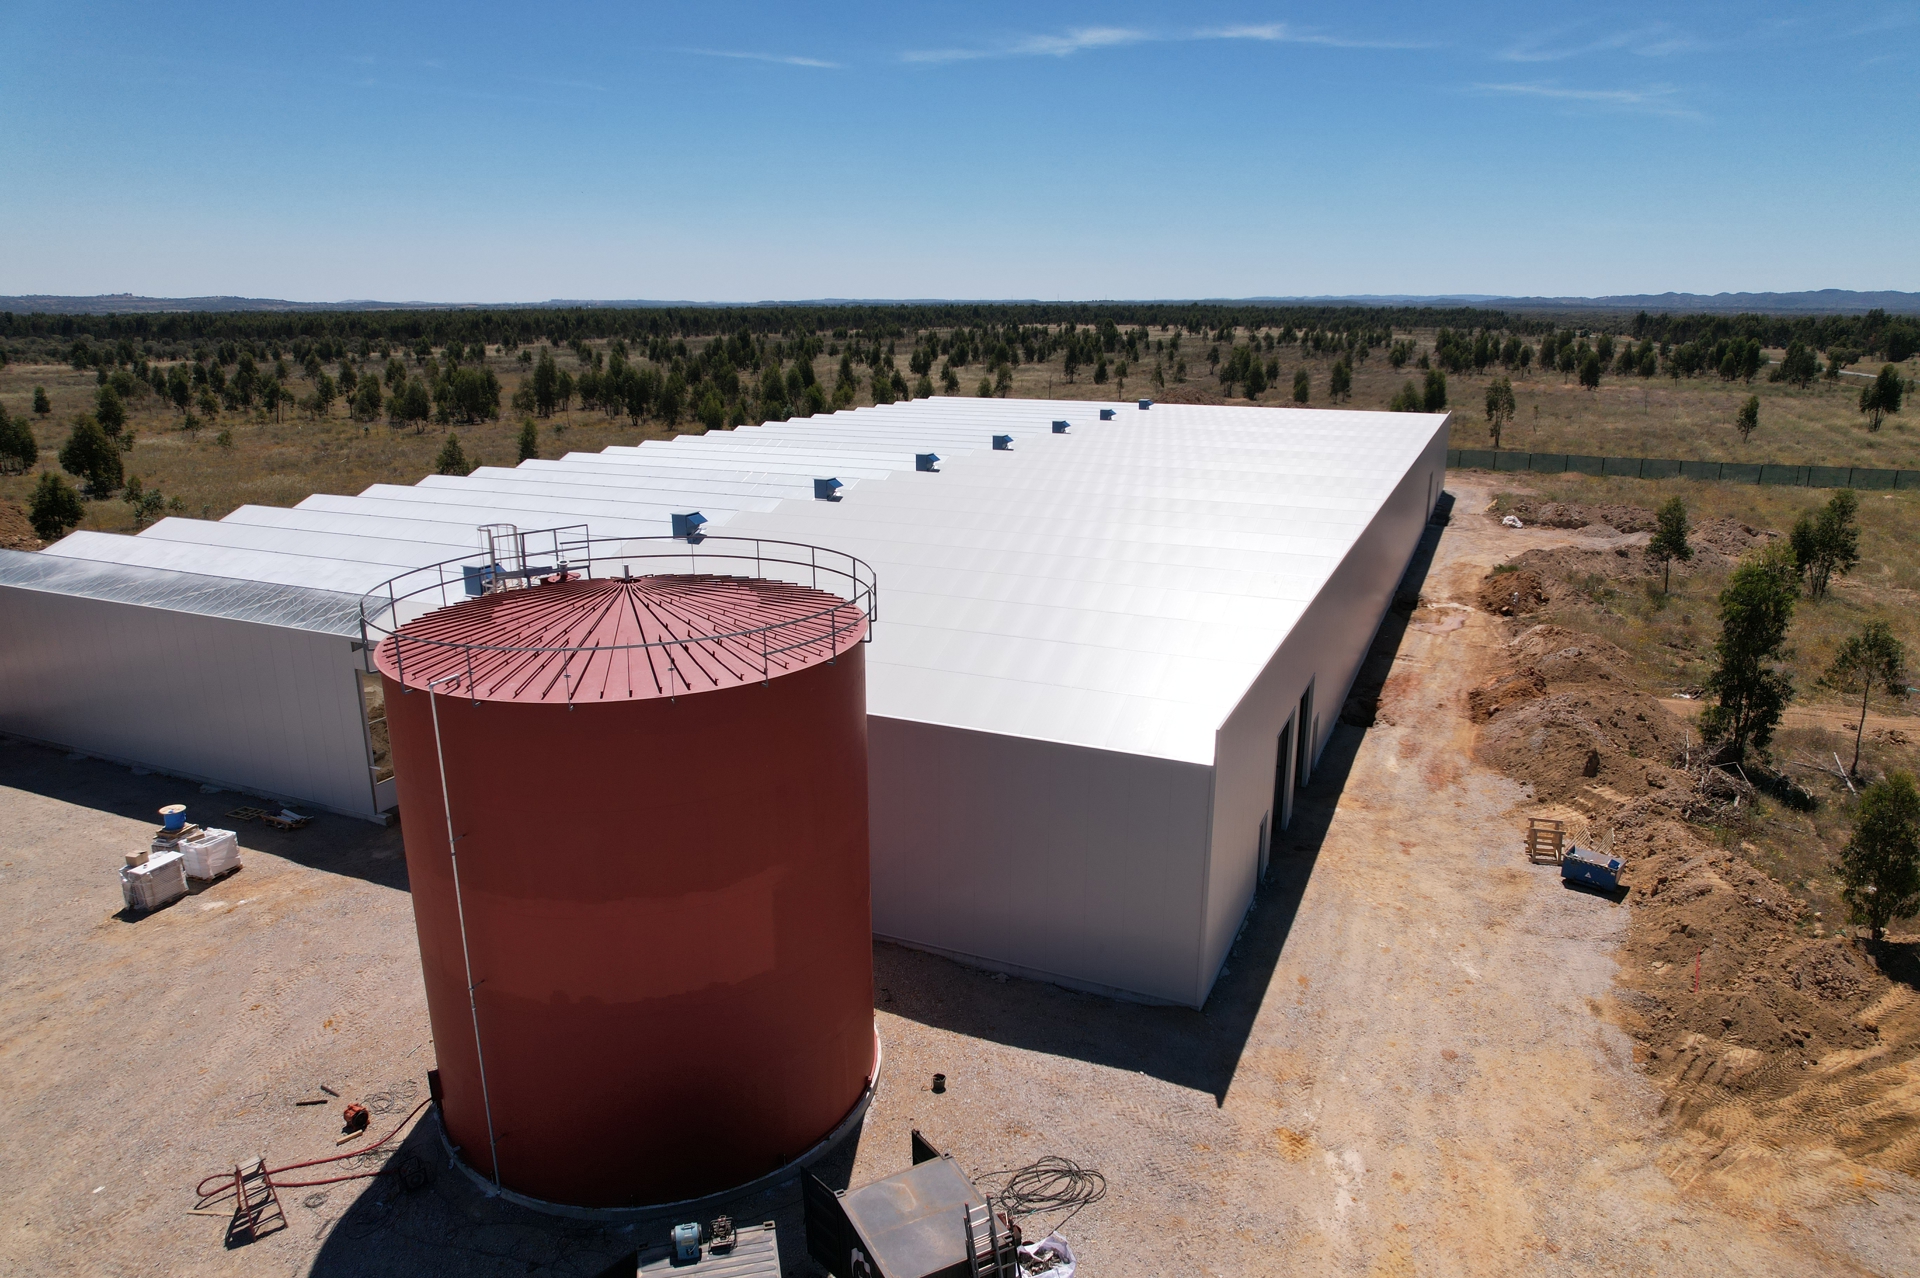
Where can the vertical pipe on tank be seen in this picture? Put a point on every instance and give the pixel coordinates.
(460, 909)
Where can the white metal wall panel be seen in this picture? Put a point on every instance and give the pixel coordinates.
(1071, 865)
(1325, 649)
(266, 709)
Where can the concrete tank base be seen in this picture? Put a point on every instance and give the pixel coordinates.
(691, 1207)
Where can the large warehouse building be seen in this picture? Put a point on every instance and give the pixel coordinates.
(1106, 652)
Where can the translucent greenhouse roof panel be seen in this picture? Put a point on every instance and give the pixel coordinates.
(266, 603)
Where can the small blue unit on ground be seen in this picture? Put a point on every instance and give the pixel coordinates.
(1586, 867)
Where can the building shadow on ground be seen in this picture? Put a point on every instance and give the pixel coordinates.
(337, 844)
(1200, 1049)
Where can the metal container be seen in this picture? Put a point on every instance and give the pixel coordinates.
(1590, 868)
(656, 787)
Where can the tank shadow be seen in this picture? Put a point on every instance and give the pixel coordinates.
(337, 844)
(432, 1218)
(1200, 1049)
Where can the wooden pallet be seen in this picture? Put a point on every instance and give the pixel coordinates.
(1546, 840)
(247, 814)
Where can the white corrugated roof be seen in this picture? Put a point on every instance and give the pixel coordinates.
(1117, 586)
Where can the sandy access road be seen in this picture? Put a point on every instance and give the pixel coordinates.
(1408, 1069)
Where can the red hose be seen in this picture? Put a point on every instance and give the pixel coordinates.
(270, 1172)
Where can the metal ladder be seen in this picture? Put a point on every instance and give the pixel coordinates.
(990, 1253)
(256, 1206)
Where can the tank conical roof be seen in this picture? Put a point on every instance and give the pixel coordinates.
(621, 639)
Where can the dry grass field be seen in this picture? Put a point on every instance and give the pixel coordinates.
(279, 462)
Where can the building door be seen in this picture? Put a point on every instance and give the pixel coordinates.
(1283, 783)
(1303, 745)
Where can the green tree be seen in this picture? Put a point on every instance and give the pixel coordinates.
(110, 411)
(1302, 388)
(1590, 370)
(1340, 381)
(54, 508)
(712, 412)
(1435, 398)
(1500, 407)
(529, 440)
(1873, 658)
(452, 459)
(1749, 689)
(90, 455)
(985, 390)
(1798, 367)
(1881, 863)
(411, 404)
(1747, 420)
(1827, 542)
(18, 448)
(1669, 541)
(146, 503)
(365, 405)
(1407, 400)
(546, 384)
(1882, 396)
(41, 404)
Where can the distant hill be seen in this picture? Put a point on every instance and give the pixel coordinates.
(1826, 301)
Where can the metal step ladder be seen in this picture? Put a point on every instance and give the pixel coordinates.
(256, 1206)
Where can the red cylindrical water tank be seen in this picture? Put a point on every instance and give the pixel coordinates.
(658, 795)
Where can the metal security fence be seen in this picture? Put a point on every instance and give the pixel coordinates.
(1667, 468)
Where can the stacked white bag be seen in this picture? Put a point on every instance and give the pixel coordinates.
(210, 853)
(159, 879)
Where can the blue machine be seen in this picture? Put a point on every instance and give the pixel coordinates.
(1587, 867)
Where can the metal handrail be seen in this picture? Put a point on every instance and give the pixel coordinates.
(382, 608)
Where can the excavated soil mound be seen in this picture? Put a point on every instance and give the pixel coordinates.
(16, 533)
(1510, 594)
(1788, 1038)
(1729, 539)
(1556, 659)
(1763, 1033)
(1514, 688)
(1571, 741)
(1565, 571)
(1560, 514)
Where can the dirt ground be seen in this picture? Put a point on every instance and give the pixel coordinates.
(1418, 1061)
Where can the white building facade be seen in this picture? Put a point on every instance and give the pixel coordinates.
(1105, 654)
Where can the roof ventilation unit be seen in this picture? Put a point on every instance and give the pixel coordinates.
(1003, 443)
(927, 461)
(827, 489)
(1106, 414)
(687, 526)
(1146, 403)
(1060, 428)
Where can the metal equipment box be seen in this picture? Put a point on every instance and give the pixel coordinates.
(926, 1222)
(1579, 866)
(755, 1253)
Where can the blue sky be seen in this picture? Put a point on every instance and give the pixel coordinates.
(493, 152)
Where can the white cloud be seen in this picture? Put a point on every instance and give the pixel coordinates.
(1652, 100)
(1657, 40)
(1281, 33)
(788, 60)
(1083, 38)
